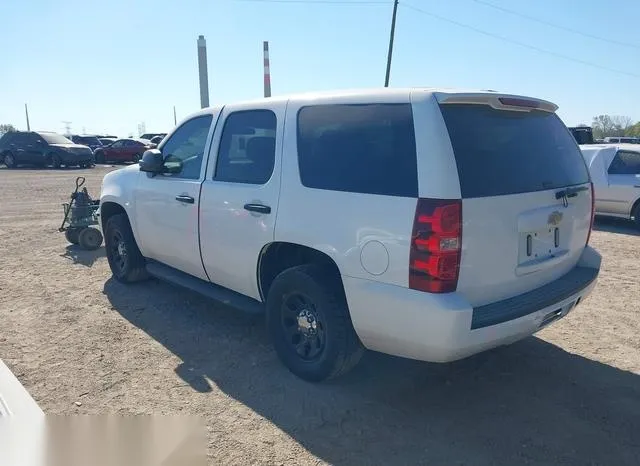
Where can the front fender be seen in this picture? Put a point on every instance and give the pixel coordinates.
(119, 187)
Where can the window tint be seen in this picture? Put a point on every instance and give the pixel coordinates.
(248, 147)
(502, 152)
(55, 138)
(358, 148)
(625, 163)
(118, 144)
(185, 147)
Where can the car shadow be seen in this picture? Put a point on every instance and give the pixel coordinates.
(530, 403)
(82, 256)
(615, 225)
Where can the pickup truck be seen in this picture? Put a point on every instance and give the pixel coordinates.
(393, 220)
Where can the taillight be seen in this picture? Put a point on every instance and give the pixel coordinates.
(436, 241)
(593, 210)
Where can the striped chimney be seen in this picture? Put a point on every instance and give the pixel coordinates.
(267, 72)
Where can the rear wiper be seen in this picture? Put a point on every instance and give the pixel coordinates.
(570, 192)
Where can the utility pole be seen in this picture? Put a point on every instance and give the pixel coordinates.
(175, 120)
(26, 112)
(393, 31)
(67, 127)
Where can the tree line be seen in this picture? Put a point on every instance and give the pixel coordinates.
(614, 125)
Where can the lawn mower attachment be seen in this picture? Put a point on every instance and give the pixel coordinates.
(81, 215)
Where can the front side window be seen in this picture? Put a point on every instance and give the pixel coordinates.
(247, 148)
(625, 163)
(367, 148)
(118, 144)
(184, 150)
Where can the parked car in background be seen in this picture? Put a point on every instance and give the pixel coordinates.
(91, 141)
(42, 148)
(621, 140)
(122, 150)
(150, 136)
(396, 220)
(615, 171)
(107, 141)
(156, 140)
(582, 134)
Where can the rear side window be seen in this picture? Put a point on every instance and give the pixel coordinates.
(358, 148)
(625, 163)
(502, 152)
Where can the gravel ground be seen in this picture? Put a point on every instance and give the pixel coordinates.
(570, 395)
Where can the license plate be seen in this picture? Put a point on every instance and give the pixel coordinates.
(539, 245)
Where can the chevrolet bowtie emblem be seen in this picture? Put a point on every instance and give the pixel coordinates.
(554, 218)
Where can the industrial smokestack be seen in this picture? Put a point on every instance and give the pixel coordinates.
(202, 71)
(267, 72)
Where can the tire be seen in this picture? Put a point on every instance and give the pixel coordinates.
(9, 160)
(125, 259)
(136, 158)
(100, 157)
(72, 235)
(56, 161)
(636, 216)
(90, 238)
(309, 323)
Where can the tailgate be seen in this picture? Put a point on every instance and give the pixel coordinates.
(526, 198)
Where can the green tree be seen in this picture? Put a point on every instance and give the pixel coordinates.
(607, 125)
(634, 130)
(7, 128)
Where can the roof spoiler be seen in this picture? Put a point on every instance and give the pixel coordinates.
(499, 101)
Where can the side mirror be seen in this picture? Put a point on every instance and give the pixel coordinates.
(152, 162)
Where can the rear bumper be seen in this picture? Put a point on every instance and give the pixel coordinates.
(445, 327)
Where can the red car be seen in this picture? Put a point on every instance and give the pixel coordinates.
(122, 150)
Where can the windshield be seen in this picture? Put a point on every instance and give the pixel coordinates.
(54, 138)
(516, 152)
(88, 140)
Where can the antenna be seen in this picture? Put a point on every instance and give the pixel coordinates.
(267, 70)
(26, 112)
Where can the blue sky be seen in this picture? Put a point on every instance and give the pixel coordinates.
(107, 66)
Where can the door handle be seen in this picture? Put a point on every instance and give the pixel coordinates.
(260, 208)
(186, 199)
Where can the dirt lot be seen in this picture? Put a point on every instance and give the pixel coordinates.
(71, 334)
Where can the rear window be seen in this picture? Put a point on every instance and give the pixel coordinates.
(86, 140)
(502, 152)
(358, 148)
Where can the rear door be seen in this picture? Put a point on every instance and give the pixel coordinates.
(624, 181)
(526, 197)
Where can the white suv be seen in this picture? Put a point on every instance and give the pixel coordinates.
(420, 223)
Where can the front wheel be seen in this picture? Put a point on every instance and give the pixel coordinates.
(135, 158)
(100, 157)
(309, 323)
(636, 216)
(125, 259)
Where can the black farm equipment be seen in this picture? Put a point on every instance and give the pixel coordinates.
(81, 217)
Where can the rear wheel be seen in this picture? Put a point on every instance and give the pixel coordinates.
(90, 238)
(136, 158)
(9, 160)
(125, 259)
(56, 161)
(309, 323)
(636, 216)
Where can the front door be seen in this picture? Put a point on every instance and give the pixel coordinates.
(167, 204)
(240, 195)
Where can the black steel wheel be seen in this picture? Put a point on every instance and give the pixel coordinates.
(125, 260)
(72, 235)
(90, 238)
(309, 323)
(9, 160)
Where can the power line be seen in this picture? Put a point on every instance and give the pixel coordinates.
(521, 44)
(330, 2)
(557, 26)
